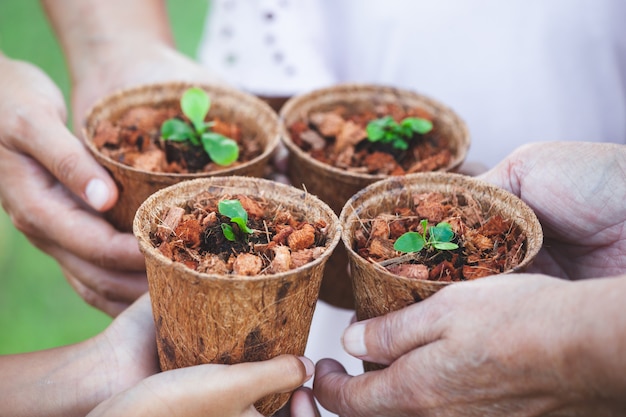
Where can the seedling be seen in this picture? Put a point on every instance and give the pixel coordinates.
(195, 104)
(237, 214)
(438, 237)
(387, 130)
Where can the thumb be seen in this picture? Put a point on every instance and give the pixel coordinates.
(384, 339)
(281, 374)
(51, 143)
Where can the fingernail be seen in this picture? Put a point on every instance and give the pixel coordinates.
(354, 340)
(97, 193)
(308, 364)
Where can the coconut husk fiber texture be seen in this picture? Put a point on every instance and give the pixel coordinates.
(209, 318)
(378, 291)
(134, 186)
(334, 185)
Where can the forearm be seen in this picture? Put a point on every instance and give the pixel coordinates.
(67, 381)
(95, 32)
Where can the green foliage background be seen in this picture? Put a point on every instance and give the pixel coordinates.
(38, 309)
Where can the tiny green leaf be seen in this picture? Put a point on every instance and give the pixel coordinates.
(442, 232)
(232, 209)
(445, 245)
(222, 150)
(176, 130)
(228, 232)
(195, 104)
(242, 224)
(376, 129)
(409, 242)
(418, 125)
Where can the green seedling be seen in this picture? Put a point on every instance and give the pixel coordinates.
(237, 214)
(195, 104)
(387, 130)
(438, 237)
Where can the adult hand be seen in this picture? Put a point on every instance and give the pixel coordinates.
(52, 189)
(523, 345)
(204, 390)
(577, 191)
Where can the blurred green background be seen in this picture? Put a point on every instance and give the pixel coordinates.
(38, 309)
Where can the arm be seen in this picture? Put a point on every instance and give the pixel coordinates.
(116, 44)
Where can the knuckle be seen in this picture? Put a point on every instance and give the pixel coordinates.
(65, 166)
(25, 221)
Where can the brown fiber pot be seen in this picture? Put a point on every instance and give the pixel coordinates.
(335, 185)
(209, 318)
(378, 291)
(134, 186)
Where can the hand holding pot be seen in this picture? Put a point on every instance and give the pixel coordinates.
(577, 191)
(118, 369)
(521, 345)
(47, 177)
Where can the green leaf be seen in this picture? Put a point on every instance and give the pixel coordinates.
(242, 224)
(400, 144)
(441, 233)
(418, 125)
(445, 245)
(228, 232)
(176, 130)
(195, 104)
(377, 128)
(222, 150)
(232, 209)
(409, 242)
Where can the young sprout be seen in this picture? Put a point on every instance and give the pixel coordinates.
(439, 237)
(387, 130)
(195, 104)
(237, 214)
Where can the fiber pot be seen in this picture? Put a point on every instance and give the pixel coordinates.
(336, 185)
(212, 318)
(377, 290)
(134, 185)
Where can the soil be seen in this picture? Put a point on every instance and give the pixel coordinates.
(134, 139)
(337, 137)
(488, 244)
(281, 241)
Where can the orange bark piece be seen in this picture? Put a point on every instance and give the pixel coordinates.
(302, 239)
(170, 222)
(247, 264)
(189, 231)
(328, 123)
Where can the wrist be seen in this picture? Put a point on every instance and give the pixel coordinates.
(594, 350)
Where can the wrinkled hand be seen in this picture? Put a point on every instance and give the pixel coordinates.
(138, 389)
(521, 345)
(51, 188)
(577, 191)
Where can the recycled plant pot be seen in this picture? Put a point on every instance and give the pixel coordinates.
(230, 318)
(257, 122)
(334, 184)
(379, 291)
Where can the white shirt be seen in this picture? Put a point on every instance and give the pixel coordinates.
(516, 71)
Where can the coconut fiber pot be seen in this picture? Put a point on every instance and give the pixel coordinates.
(216, 318)
(336, 185)
(379, 291)
(254, 117)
